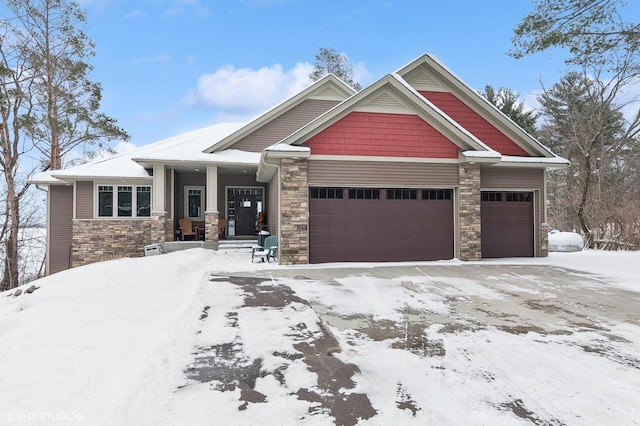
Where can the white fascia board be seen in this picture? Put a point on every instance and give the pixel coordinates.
(546, 162)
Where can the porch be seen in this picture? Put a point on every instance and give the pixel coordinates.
(222, 202)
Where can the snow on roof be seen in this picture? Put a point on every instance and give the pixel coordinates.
(283, 147)
(181, 148)
(45, 178)
(483, 154)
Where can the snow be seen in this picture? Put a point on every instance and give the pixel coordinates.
(482, 154)
(108, 343)
(181, 148)
(565, 241)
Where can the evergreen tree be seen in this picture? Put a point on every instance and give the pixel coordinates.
(506, 100)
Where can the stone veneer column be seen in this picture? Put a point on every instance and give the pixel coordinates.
(159, 227)
(544, 240)
(293, 246)
(212, 232)
(469, 209)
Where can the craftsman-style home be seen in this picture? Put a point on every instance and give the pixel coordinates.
(417, 166)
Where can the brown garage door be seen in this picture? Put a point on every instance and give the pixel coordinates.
(380, 225)
(507, 224)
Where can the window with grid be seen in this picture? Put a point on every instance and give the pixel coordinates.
(326, 193)
(126, 203)
(519, 197)
(437, 194)
(491, 196)
(364, 194)
(402, 194)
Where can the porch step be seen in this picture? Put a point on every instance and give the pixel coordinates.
(236, 244)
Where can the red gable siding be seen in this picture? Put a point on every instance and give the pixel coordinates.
(474, 123)
(390, 135)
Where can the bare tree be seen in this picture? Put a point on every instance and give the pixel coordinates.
(16, 80)
(593, 32)
(585, 123)
(328, 61)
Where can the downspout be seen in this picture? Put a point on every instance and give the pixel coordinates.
(263, 160)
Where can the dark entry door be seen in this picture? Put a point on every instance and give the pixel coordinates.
(243, 207)
(246, 214)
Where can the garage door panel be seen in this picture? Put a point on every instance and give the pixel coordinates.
(507, 226)
(381, 230)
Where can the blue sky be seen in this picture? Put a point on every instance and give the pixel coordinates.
(171, 66)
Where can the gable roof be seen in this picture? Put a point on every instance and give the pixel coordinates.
(426, 73)
(329, 87)
(390, 94)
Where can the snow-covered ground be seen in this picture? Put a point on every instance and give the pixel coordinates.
(182, 338)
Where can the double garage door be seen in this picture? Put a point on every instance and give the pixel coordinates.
(386, 225)
(380, 225)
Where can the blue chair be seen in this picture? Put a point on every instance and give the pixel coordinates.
(267, 251)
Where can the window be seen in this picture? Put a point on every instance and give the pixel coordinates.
(519, 197)
(105, 201)
(364, 194)
(126, 204)
(326, 193)
(125, 201)
(143, 201)
(437, 194)
(402, 194)
(194, 202)
(491, 196)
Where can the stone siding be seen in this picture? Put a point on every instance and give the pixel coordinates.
(544, 240)
(100, 240)
(469, 207)
(212, 232)
(293, 246)
(160, 232)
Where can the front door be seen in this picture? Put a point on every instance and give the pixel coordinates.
(243, 206)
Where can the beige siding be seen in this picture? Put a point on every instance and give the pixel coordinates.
(382, 174)
(60, 228)
(84, 200)
(284, 125)
(272, 205)
(507, 178)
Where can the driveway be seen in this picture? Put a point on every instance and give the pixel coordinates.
(428, 343)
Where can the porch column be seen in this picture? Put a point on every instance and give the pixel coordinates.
(211, 214)
(469, 209)
(158, 209)
(157, 195)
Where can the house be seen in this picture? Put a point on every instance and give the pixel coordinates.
(417, 166)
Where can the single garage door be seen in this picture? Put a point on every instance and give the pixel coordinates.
(380, 225)
(507, 224)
